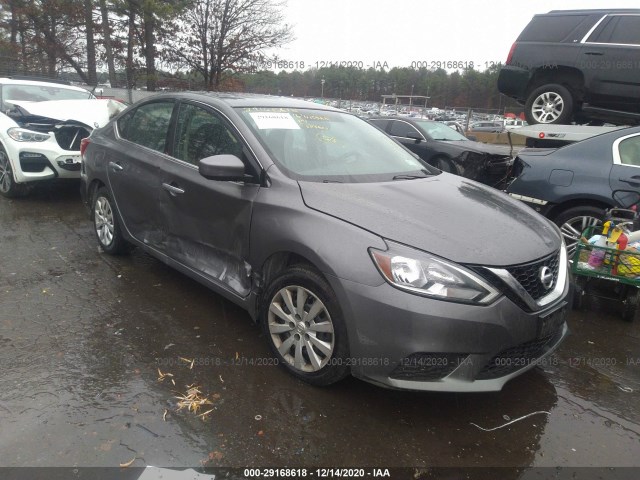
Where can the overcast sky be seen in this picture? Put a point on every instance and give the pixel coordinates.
(400, 32)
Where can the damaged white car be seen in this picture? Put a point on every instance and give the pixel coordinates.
(41, 126)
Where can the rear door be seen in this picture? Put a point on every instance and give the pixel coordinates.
(610, 58)
(133, 170)
(625, 173)
(208, 221)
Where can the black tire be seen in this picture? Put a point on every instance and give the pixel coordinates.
(554, 96)
(578, 294)
(107, 224)
(630, 304)
(574, 220)
(317, 367)
(8, 186)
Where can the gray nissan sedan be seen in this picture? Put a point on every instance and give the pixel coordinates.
(353, 255)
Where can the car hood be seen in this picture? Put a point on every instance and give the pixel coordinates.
(446, 215)
(93, 113)
(479, 147)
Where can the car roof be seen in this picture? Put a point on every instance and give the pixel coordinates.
(593, 11)
(247, 100)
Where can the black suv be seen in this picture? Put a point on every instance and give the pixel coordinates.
(577, 65)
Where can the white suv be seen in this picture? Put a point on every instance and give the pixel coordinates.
(41, 125)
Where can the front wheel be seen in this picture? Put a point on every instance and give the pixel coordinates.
(8, 186)
(304, 326)
(549, 104)
(106, 224)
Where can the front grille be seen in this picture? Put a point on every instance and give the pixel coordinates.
(518, 357)
(529, 275)
(427, 366)
(69, 136)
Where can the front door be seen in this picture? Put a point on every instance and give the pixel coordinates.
(208, 221)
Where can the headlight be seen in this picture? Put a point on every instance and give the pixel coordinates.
(24, 135)
(421, 273)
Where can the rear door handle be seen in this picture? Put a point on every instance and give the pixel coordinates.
(116, 167)
(599, 54)
(635, 180)
(173, 190)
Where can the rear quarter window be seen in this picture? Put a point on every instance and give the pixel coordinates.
(551, 28)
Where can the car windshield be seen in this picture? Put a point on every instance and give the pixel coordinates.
(321, 145)
(41, 93)
(439, 131)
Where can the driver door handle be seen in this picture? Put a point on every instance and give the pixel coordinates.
(116, 167)
(173, 190)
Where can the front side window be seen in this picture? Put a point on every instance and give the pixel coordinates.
(200, 134)
(147, 125)
(329, 146)
(403, 129)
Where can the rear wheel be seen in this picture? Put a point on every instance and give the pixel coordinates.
(549, 104)
(303, 323)
(106, 224)
(630, 304)
(574, 221)
(8, 186)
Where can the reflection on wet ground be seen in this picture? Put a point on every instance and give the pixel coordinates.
(87, 342)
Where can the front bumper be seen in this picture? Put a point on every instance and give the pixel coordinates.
(37, 161)
(405, 341)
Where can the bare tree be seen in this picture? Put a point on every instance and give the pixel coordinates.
(108, 48)
(221, 36)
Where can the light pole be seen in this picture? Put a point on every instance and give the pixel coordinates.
(322, 87)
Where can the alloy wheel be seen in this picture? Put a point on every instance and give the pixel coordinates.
(6, 175)
(547, 107)
(104, 221)
(301, 329)
(572, 230)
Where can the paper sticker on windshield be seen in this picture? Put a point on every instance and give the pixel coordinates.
(273, 120)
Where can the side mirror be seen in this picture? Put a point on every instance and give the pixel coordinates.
(473, 138)
(415, 137)
(222, 168)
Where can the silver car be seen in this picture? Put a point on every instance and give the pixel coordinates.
(353, 255)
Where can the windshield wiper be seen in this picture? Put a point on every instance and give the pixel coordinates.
(406, 176)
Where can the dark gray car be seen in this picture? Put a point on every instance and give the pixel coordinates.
(352, 254)
(448, 150)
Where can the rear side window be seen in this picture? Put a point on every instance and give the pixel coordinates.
(551, 28)
(147, 125)
(629, 150)
(621, 29)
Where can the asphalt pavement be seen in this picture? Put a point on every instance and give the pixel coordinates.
(98, 354)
